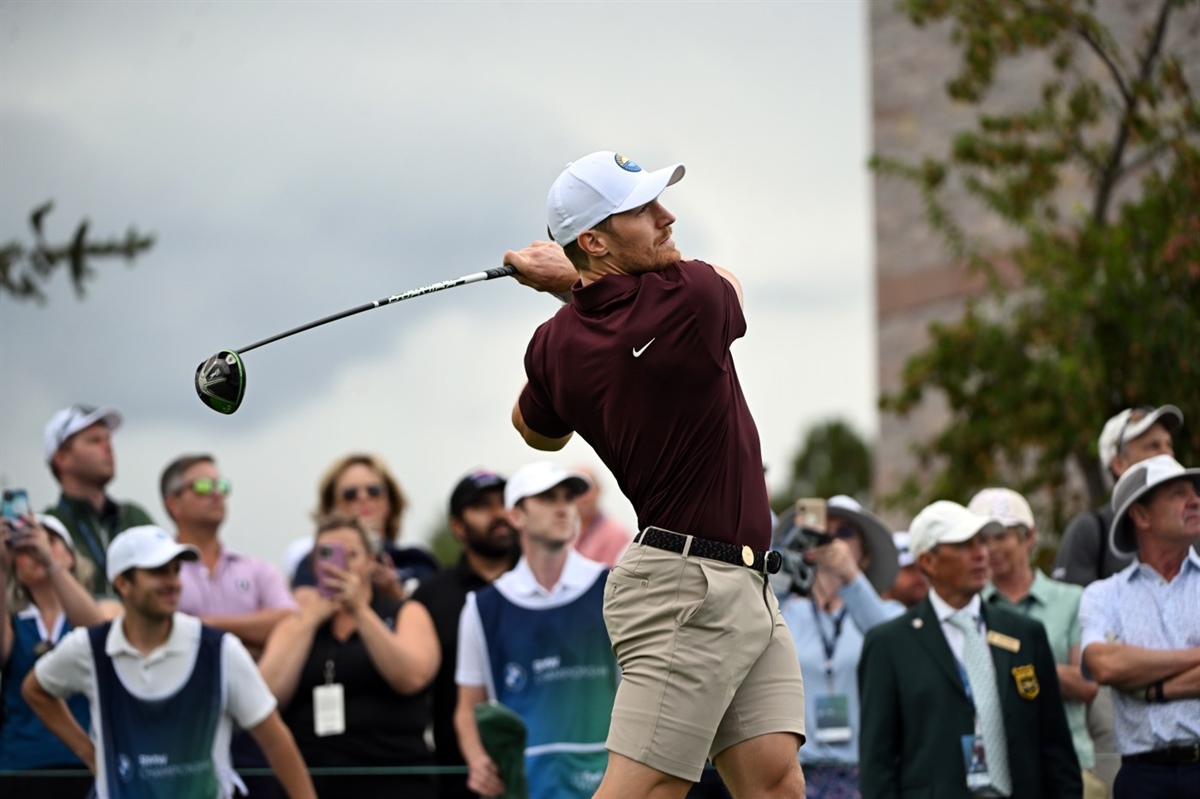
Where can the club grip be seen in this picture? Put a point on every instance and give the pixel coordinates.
(500, 271)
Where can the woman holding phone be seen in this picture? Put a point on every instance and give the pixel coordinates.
(42, 596)
(365, 662)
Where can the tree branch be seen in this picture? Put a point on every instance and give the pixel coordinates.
(1108, 178)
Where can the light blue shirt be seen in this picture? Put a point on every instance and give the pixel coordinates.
(1136, 606)
(863, 610)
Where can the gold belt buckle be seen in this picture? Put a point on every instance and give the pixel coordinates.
(747, 556)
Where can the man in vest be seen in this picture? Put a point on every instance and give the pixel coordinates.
(164, 690)
(535, 641)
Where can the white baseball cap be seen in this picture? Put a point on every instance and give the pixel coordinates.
(597, 186)
(145, 547)
(55, 525)
(536, 478)
(946, 522)
(903, 542)
(1004, 504)
(70, 421)
(1119, 430)
(1136, 482)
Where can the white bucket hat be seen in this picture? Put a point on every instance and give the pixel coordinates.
(1137, 481)
(597, 186)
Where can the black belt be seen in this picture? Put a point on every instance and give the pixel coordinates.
(1170, 756)
(765, 562)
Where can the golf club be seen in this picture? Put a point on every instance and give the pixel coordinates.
(221, 379)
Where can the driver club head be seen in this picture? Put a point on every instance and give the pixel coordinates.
(221, 382)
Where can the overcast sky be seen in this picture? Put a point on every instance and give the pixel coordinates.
(296, 159)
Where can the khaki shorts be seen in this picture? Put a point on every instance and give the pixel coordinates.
(706, 660)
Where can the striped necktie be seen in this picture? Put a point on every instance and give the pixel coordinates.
(981, 672)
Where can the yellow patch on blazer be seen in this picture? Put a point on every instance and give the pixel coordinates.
(1027, 682)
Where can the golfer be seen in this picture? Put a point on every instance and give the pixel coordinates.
(638, 364)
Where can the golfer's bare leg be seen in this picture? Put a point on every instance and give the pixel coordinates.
(765, 767)
(625, 778)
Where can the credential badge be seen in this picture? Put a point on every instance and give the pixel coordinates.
(1027, 682)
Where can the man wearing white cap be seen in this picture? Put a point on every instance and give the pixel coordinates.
(1141, 630)
(1015, 584)
(534, 640)
(959, 697)
(1130, 437)
(639, 364)
(163, 689)
(77, 445)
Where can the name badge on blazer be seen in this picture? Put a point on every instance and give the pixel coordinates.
(1027, 682)
(1003, 641)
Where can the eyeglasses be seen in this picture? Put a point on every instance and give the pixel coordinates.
(1141, 414)
(350, 493)
(203, 486)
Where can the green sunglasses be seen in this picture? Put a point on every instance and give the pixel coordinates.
(203, 486)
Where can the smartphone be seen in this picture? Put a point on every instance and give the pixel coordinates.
(328, 553)
(810, 513)
(16, 507)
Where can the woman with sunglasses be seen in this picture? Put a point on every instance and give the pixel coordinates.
(42, 596)
(828, 627)
(367, 660)
(359, 485)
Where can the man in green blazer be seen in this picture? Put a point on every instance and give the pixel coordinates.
(956, 686)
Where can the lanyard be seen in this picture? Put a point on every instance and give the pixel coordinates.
(829, 644)
(89, 538)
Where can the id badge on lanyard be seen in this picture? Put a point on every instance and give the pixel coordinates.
(329, 706)
(979, 781)
(833, 709)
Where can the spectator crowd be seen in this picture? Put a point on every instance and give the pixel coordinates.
(938, 658)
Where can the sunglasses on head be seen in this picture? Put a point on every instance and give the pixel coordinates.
(203, 486)
(350, 493)
(1140, 413)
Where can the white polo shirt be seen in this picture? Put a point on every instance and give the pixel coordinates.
(69, 669)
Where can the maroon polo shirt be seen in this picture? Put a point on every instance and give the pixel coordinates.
(639, 366)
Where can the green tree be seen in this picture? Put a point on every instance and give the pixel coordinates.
(1105, 313)
(832, 460)
(23, 270)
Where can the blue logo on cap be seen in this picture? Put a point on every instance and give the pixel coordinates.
(626, 164)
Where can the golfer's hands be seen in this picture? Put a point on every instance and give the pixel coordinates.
(837, 558)
(543, 266)
(483, 777)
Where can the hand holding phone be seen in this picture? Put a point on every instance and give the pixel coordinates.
(16, 508)
(334, 554)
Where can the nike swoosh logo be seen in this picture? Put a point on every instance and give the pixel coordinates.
(638, 353)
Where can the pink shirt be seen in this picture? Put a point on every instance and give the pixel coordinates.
(239, 584)
(604, 541)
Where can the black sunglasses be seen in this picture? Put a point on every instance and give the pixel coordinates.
(350, 493)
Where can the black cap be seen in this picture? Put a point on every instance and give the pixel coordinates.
(471, 487)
